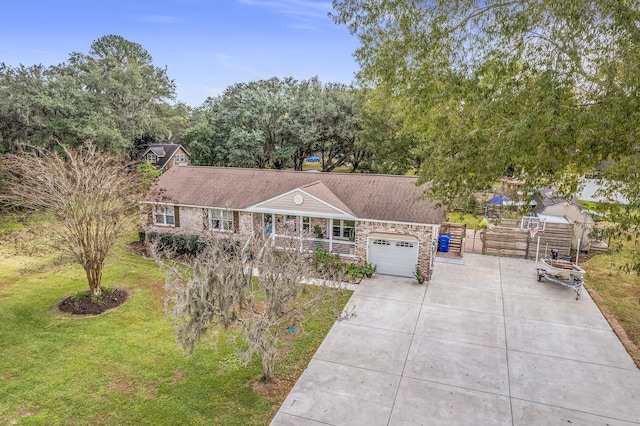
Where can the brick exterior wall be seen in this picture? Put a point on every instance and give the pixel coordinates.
(195, 221)
(322, 223)
(244, 225)
(424, 233)
(192, 221)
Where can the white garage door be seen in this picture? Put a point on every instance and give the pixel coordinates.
(393, 256)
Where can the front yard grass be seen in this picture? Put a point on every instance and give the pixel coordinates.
(124, 366)
(618, 296)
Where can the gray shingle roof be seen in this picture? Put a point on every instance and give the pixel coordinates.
(367, 196)
(164, 151)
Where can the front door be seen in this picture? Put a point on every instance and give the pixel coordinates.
(267, 224)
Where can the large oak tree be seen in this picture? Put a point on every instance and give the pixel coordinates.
(277, 123)
(546, 89)
(111, 95)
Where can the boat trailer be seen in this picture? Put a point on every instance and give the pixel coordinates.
(562, 272)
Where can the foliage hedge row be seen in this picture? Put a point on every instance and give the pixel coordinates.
(189, 245)
(323, 258)
(179, 244)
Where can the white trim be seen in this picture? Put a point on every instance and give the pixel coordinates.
(342, 226)
(305, 213)
(394, 237)
(342, 213)
(221, 220)
(176, 162)
(165, 214)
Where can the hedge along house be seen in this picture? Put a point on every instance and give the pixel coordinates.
(380, 219)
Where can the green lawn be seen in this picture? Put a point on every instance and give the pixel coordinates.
(617, 294)
(317, 166)
(472, 221)
(123, 367)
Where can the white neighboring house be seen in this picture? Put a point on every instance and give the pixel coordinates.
(591, 192)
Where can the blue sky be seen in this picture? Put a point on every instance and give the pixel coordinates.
(206, 45)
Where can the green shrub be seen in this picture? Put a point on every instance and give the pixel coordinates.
(180, 244)
(326, 259)
(354, 271)
(368, 269)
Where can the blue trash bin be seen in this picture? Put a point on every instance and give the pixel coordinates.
(443, 243)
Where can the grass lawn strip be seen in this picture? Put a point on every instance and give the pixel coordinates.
(124, 366)
(617, 294)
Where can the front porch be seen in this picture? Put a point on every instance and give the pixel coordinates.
(310, 233)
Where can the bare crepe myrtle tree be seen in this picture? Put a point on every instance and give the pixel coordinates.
(219, 290)
(92, 194)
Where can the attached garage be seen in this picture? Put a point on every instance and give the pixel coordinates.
(393, 254)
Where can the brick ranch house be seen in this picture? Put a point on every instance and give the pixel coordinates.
(380, 219)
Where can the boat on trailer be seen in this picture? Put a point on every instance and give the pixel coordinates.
(562, 272)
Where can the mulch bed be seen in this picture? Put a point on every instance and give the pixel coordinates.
(86, 305)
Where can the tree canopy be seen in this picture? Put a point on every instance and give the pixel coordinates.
(546, 89)
(278, 123)
(111, 95)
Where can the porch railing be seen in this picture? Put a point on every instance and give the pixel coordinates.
(343, 248)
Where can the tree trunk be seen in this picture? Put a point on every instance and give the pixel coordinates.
(94, 276)
(269, 363)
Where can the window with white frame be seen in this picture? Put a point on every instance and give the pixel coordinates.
(344, 229)
(152, 157)
(164, 215)
(306, 223)
(179, 158)
(221, 220)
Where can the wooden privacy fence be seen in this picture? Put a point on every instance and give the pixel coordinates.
(457, 232)
(515, 242)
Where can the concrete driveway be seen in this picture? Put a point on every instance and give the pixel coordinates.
(482, 344)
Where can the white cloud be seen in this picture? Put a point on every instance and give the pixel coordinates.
(306, 27)
(298, 8)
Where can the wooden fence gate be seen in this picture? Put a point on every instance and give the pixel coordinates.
(457, 233)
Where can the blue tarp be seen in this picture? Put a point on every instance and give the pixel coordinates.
(499, 199)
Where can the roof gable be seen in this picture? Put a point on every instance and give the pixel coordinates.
(299, 201)
(320, 190)
(164, 151)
